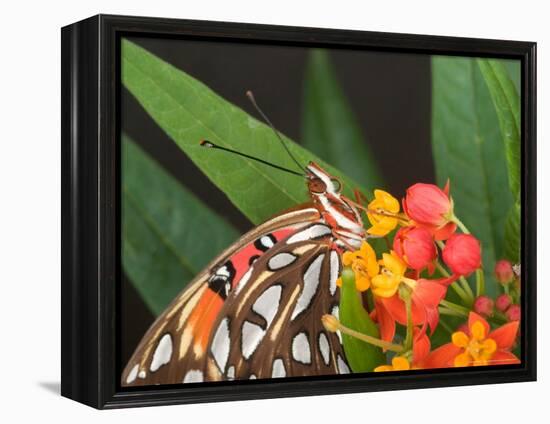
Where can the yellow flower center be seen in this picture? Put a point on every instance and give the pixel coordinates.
(383, 213)
(364, 265)
(391, 276)
(398, 363)
(478, 349)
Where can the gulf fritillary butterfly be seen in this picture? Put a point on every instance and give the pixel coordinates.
(255, 311)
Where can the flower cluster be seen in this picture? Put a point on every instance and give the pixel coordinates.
(427, 250)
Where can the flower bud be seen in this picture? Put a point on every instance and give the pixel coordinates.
(428, 205)
(513, 313)
(504, 272)
(503, 302)
(462, 254)
(330, 323)
(484, 306)
(415, 245)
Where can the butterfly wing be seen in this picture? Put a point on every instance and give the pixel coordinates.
(271, 327)
(175, 348)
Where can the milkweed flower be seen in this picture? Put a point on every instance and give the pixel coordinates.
(398, 363)
(390, 308)
(430, 207)
(413, 360)
(484, 306)
(462, 254)
(415, 245)
(503, 302)
(504, 272)
(382, 213)
(514, 313)
(478, 346)
(363, 263)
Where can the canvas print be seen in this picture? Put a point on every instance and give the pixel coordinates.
(297, 212)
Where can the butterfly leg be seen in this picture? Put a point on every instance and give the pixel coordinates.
(359, 198)
(343, 239)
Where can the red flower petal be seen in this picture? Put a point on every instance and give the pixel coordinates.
(385, 321)
(429, 292)
(444, 232)
(421, 346)
(505, 336)
(503, 357)
(442, 357)
(395, 307)
(427, 295)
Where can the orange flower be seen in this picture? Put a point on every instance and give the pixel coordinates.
(398, 363)
(364, 265)
(412, 360)
(478, 346)
(425, 297)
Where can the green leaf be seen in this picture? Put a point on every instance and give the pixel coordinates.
(361, 356)
(330, 128)
(512, 234)
(514, 72)
(168, 235)
(188, 111)
(468, 150)
(506, 100)
(502, 78)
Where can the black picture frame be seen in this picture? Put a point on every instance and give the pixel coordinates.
(90, 238)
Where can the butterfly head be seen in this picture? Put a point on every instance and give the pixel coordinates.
(321, 182)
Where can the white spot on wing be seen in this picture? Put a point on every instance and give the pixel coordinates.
(252, 335)
(324, 347)
(223, 271)
(267, 303)
(231, 373)
(334, 270)
(163, 353)
(252, 377)
(278, 370)
(193, 376)
(336, 312)
(142, 374)
(280, 260)
(300, 349)
(220, 344)
(311, 283)
(342, 366)
(132, 374)
(266, 242)
(313, 232)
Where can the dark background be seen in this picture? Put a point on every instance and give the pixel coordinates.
(390, 94)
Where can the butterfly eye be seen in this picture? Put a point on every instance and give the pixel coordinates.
(316, 185)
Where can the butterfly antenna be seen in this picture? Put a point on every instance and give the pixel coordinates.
(250, 96)
(209, 144)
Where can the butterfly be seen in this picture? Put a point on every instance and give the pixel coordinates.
(255, 311)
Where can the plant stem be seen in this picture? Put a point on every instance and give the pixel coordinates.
(457, 308)
(369, 339)
(461, 225)
(480, 282)
(409, 337)
(455, 286)
(450, 312)
(466, 286)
